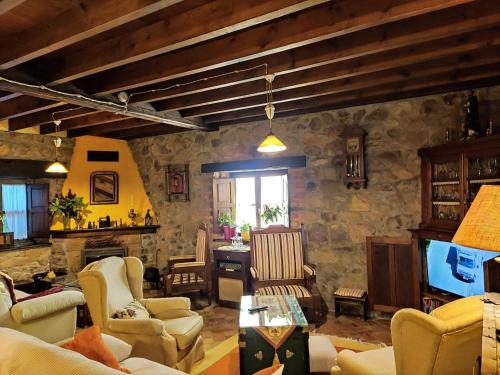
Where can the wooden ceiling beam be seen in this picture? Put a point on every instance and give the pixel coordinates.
(84, 121)
(210, 20)
(323, 22)
(144, 131)
(70, 98)
(421, 70)
(87, 18)
(337, 71)
(7, 5)
(280, 64)
(414, 84)
(45, 117)
(25, 105)
(110, 127)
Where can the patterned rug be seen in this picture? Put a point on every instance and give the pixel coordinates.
(224, 358)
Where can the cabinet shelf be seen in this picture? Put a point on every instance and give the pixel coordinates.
(484, 180)
(443, 202)
(444, 182)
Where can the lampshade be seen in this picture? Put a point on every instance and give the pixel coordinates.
(480, 228)
(271, 144)
(56, 167)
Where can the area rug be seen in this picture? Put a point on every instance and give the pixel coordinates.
(224, 358)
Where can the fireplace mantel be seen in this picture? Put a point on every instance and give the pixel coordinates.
(103, 232)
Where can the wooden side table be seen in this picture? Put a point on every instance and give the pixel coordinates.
(344, 301)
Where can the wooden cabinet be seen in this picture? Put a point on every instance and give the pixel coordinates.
(393, 274)
(451, 177)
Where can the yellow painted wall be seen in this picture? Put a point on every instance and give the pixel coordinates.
(130, 183)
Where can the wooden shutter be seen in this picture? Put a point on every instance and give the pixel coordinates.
(392, 271)
(38, 210)
(224, 199)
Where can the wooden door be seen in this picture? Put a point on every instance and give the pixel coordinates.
(224, 190)
(392, 271)
(38, 210)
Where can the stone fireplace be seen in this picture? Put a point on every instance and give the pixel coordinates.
(92, 255)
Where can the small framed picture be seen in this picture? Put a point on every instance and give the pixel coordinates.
(104, 188)
(177, 178)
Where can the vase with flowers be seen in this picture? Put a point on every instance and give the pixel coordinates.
(69, 206)
(228, 224)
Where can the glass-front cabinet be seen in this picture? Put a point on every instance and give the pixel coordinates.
(451, 177)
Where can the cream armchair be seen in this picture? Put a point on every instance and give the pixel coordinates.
(171, 336)
(447, 341)
(51, 318)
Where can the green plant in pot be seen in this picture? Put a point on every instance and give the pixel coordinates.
(271, 214)
(226, 221)
(245, 231)
(67, 206)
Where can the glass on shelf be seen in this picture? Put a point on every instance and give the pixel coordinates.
(443, 211)
(445, 171)
(484, 168)
(448, 192)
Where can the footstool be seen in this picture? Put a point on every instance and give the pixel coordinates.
(351, 297)
(322, 354)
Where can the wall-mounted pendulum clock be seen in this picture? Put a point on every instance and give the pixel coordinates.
(354, 170)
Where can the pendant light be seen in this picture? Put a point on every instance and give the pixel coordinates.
(56, 166)
(271, 143)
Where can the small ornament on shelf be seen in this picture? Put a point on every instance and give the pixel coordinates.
(132, 215)
(355, 174)
(148, 219)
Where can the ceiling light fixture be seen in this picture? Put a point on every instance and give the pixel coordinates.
(56, 166)
(271, 143)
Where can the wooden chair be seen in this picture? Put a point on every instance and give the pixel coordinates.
(279, 266)
(187, 273)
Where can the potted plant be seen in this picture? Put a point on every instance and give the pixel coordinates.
(67, 206)
(271, 214)
(226, 220)
(245, 231)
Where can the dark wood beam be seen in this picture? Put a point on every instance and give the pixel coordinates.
(145, 131)
(87, 18)
(84, 121)
(25, 105)
(284, 60)
(422, 70)
(99, 105)
(310, 26)
(210, 20)
(253, 164)
(410, 85)
(7, 5)
(109, 127)
(45, 117)
(325, 73)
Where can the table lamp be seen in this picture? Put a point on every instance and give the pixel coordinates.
(480, 228)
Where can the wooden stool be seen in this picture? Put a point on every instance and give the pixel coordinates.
(345, 297)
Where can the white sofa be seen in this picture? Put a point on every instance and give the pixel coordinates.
(51, 318)
(21, 354)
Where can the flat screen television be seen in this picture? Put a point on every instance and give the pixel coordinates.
(456, 269)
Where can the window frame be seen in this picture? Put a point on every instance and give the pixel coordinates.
(257, 175)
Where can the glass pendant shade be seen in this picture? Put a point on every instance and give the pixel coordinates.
(271, 144)
(56, 167)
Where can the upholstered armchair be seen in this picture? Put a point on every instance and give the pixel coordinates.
(446, 341)
(51, 318)
(187, 273)
(279, 266)
(171, 336)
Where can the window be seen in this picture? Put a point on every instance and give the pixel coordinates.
(14, 205)
(255, 190)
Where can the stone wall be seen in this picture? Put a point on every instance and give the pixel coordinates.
(22, 264)
(337, 219)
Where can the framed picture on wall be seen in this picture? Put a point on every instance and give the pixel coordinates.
(177, 176)
(104, 188)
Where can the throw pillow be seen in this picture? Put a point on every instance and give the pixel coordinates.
(134, 310)
(273, 370)
(90, 344)
(119, 348)
(55, 289)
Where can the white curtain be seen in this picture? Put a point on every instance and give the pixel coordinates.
(14, 205)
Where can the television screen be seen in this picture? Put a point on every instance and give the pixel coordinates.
(456, 269)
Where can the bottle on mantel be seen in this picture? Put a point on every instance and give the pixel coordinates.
(148, 219)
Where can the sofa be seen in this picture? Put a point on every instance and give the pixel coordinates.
(51, 318)
(21, 354)
(446, 341)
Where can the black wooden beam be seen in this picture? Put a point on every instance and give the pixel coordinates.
(255, 164)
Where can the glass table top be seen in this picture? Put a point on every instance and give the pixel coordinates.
(283, 310)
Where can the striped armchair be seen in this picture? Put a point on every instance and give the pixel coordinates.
(187, 273)
(279, 266)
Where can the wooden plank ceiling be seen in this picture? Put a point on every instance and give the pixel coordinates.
(200, 63)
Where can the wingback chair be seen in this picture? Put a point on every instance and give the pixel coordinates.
(279, 266)
(171, 336)
(446, 341)
(187, 273)
(51, 318)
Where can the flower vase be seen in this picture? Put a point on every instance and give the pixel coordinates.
(67, 222)
(229, 232)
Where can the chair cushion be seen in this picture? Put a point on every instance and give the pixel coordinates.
(278, 256)
(295, 290)
(185, 329)
(142, 366)
(187, 278)
(371, 362)
(322, 354)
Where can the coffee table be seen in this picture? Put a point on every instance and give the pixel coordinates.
(280, 333)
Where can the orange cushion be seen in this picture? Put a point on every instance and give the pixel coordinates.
(273, 370)
(89, 343)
